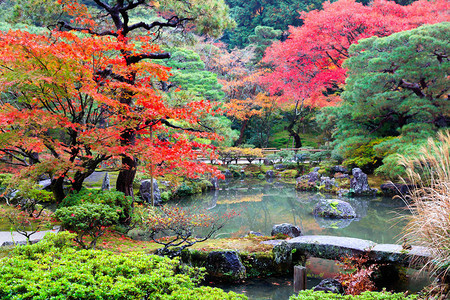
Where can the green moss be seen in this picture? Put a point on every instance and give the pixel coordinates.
(265, 168)
(311, 295)
(289, 173)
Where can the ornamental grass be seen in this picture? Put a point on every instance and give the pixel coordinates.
(429, 202)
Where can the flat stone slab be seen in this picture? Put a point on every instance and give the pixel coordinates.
(417, 255)
(334, 247)
(330, 247)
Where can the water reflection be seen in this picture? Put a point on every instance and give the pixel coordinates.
(262, 204)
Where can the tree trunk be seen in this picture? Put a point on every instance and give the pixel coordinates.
(79, 178)
(57, 187)
(241, 135)
(126, 176)
(295, 135)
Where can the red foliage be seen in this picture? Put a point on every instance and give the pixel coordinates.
(62, 108)
(309, 64)
(355, 277)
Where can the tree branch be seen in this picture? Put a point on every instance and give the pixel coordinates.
(63, 24)
(137, 58)
(415, 87)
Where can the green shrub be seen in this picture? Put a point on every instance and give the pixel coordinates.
(366, 156)
(311, 295)
(4, 181)
(52, 270)
(320, 156)
(117, 200)
(87, 219)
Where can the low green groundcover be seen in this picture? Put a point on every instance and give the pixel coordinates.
(51, 269)
(310, 295)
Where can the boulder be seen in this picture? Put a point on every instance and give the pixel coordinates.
(316, 169)
(267, 162)
(339, 169)
(225, 266)
(330, 285)
(255, 233)
(359, 184)
(270, 174)
(215, 183)
(392, 189)
(227, 173)
(287, 229)
(328, 183)
(279, 167)
(313, 177)
(106, 186)
(145, 191)
(334, 208)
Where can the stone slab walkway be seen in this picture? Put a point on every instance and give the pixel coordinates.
(334, 247)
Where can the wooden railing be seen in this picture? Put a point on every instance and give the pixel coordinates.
(265, 151)
(275, 150)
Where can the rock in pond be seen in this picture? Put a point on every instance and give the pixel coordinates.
(359, 184)
(279, 167)
(313, 177)
(225, 266)
(339, 169)
(330, 285)
(227, 173)
(270, 174)
(392, 189)
(334, 208)
(215, 183)
(145, 191)
(287, 229)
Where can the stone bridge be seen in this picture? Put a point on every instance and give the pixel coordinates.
(334, 247)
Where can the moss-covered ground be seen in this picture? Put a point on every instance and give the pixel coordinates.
(117, 242)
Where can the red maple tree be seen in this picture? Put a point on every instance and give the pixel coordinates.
(308, 65)
(71, 101)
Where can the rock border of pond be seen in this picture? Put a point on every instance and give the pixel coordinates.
(285, 254)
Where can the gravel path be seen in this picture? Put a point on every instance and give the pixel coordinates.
(6, 238)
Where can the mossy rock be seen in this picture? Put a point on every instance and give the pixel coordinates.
(252, 168)
(289, 173)
(265, 168)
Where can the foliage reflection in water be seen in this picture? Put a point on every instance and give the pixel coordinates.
(262, 204)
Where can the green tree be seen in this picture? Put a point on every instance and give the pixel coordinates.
(264, 37)
(276, 14)
(190, 81)
(397, 86)
(190, 76)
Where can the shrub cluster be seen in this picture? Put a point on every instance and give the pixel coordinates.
(90, 212)
(51, 269)
(311, 295)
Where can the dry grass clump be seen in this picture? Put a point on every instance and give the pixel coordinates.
(429, 202)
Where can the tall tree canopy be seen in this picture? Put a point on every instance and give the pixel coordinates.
(398, 87)
(77, 101)
(250, 14)
(309, 64)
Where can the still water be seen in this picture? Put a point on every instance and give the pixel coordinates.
(262, 204)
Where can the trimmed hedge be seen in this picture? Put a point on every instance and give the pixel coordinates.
(52, 269)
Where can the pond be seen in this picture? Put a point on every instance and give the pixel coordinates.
(261, 204)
